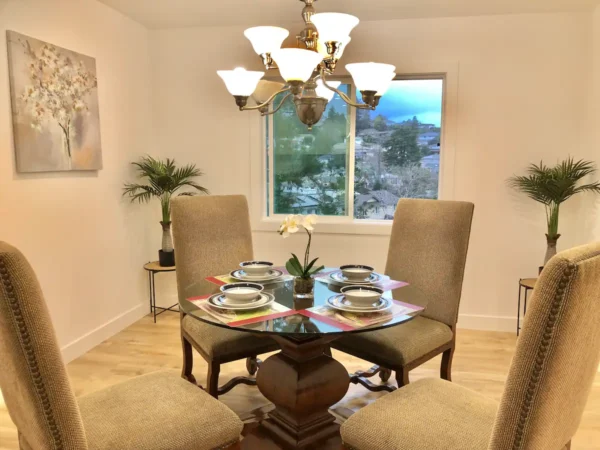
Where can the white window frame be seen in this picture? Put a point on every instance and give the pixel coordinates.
(261, 221)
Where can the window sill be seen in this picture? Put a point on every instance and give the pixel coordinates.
(331, 225)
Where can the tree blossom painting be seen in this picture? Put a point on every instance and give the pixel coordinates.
(56, 118)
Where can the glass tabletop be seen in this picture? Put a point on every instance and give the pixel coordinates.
(306, 316)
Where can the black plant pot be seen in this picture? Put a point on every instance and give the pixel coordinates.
(166, 259)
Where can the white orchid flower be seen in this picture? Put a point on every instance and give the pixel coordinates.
(290, 225)
(293, 223)
(309, 222)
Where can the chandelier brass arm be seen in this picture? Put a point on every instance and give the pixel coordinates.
(320, 46)
(369, 98)
(241, 101)
(268, 113)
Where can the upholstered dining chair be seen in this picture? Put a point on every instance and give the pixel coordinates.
(212, 236)
(546, 390)
(151, 412)
(428, 248)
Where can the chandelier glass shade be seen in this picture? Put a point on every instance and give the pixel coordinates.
(296, 64)
(325, 92)
(240, 81)
(305, 69)
(334, 26)
(266, 39)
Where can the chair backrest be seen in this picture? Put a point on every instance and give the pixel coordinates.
(33, 377)
(428, 249)
(557, 356)
(212, 236)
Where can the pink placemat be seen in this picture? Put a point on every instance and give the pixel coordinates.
(310, 313)
(390, 285)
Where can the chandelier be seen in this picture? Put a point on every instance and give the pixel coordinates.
(305, 69)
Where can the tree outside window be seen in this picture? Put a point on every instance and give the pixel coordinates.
(396, 152)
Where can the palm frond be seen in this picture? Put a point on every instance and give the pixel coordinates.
(555, 185)
(139, 192)
(163, 178)
(592, 187)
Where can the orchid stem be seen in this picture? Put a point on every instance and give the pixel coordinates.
(307, 251)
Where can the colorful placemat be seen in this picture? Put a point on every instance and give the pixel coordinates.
(352, 321)
(239, 318)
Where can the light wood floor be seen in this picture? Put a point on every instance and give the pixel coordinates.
(481, 363)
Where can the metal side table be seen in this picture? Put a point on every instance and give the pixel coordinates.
(153, 268)
(525, 284)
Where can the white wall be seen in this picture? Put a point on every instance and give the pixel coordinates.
(84, 242)
(523, 83)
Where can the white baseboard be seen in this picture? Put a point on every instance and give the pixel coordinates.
(89, 340)
(487, 323)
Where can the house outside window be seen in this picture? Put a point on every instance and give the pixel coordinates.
(357, 164)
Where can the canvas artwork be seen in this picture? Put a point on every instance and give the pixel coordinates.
(54, 95)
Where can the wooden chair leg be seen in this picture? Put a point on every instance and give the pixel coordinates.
(252, 365)
(327, 351)
(402, 377)
(212, 379)
(446, 367)
(188, 361)
(385, 374)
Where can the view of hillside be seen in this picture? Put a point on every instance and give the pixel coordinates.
(396, 151)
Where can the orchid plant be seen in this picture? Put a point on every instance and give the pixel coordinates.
(292, 224)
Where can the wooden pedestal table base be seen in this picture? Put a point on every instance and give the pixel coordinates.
(303, 383)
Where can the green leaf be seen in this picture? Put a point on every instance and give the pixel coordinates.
(163, 178)
(296, 264)
(555, 185)
(318, 269)
(295, 258)
(312, 263)
(292, 269)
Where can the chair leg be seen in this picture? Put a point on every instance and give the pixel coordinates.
(188, 361)
(327, 352)
(446, 367)
(212, 379)
(402, 377)
(252, 365)
(385, 374)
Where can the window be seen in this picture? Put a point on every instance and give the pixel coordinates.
(356, 164)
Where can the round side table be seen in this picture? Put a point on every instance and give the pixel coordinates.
(153, 268)
(525, 284)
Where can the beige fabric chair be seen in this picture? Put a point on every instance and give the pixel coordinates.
(212, 236)
(428, 249)
(547, 387)
(158, 411)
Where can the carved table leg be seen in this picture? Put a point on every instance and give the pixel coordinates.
(303, 383)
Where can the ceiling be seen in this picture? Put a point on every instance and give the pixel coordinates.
(188, 13)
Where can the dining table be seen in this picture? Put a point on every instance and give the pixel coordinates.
(303, 381)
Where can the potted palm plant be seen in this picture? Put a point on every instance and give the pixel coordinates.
(164, 179)
(552, 186)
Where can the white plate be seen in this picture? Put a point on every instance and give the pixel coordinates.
(338, 277)
(273, 274)
(217, 301)
(340, 303)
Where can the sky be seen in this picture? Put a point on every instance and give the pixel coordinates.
(408, 98)
(404, 100)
